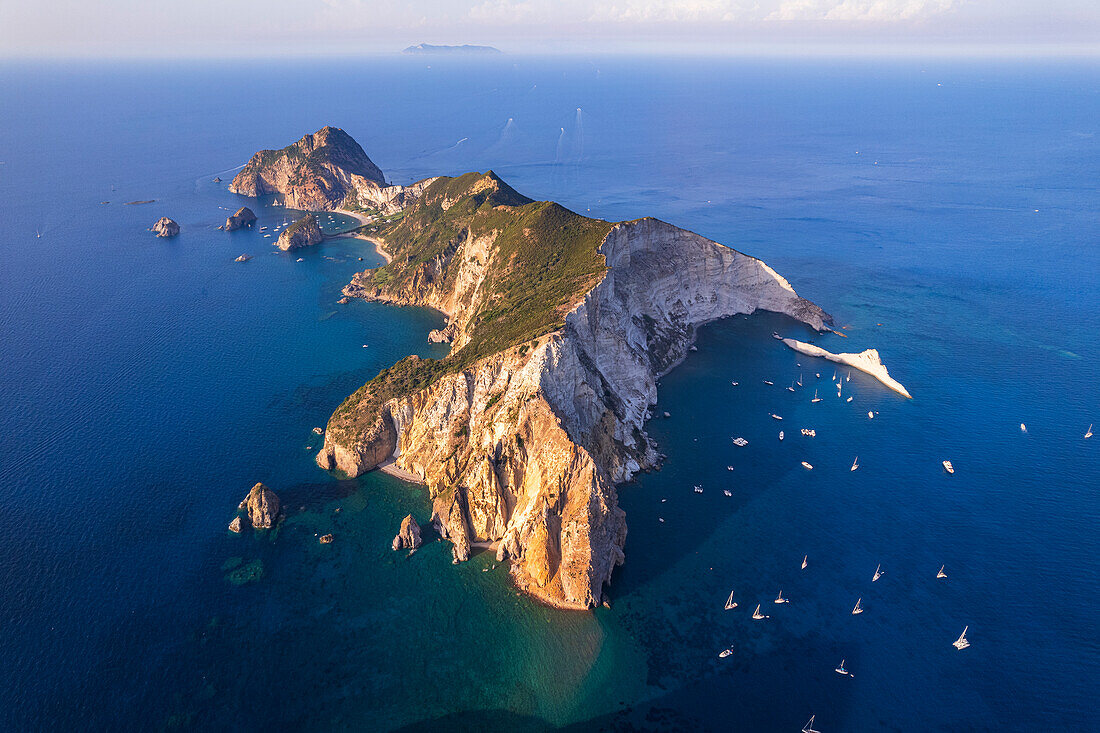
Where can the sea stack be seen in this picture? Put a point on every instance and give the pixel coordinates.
(165, 227)
(261, 508)
(243, 218)
(303, 233)
(409, 536)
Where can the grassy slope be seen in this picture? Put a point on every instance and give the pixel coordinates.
(544, 260)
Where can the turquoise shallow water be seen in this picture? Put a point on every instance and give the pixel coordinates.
(147, 384)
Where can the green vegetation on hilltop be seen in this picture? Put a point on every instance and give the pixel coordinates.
(542, 261)
(305, 221)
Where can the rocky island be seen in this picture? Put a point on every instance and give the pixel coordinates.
(166, 227)
(242, 219)
(560, 326)
(305, 232)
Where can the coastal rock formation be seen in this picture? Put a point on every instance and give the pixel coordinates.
(235, 525)
(408, 538)
(165, 227)
(865, 361)
(561, 327)
(324, 171)
(261, 507)
(242, 258)
(317, 172)
(243, 218)
(303, 233)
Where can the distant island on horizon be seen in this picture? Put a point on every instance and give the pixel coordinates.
(466, 49)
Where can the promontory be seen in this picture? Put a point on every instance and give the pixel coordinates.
(560, 326)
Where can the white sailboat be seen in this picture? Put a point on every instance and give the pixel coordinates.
(791, 388)
(776, 417)
(855, 464)
(834, 375)
(800, 379)
(1088, 433)
(809, 727)
(1023, 428)
(816, 398)
(849, 377)
(839, 385)
(780, 599)
(961, 643)
(858, 609)
(768, 383)
(805, 561)
(781, 435)
(730, 603)
(757, 615)
(941, 574)
(878, 574)
(841, 669)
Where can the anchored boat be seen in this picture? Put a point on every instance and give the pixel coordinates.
(961, 643)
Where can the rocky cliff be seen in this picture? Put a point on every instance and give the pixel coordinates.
(561, 326)
(315, 173)
(244, 217)
(166, 227)
(305, 232)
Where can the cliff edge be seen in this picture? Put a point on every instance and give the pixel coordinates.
(561, 326)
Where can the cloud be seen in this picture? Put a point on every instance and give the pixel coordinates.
(883, 11)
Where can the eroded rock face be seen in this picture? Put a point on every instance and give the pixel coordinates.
(165, 227)
(243, 218)
(303, 233)
(524, 448)
(262, 507)
(408, 538)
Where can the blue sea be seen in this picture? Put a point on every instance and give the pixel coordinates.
(946, 212)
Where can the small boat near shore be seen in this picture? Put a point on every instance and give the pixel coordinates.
(816, 398)
(948, 467)
(961, 643)
(730, 603)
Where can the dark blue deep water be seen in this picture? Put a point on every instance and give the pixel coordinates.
(947, 213)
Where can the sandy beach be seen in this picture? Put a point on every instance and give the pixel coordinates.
(356, 235)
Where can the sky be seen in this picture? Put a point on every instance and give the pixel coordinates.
(266, 28)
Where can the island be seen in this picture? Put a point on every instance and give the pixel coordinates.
(560, 326)
(304, 232)
(465, 49)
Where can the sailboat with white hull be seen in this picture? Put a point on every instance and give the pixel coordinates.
(1088, 433)
(878, 574)
(961, 643)
(940, 575)
(841, 670)
(858, 609)
(816, 398)
(730, 603)
(757, 615)
(855, 464)
(805, 561)
(809, 727)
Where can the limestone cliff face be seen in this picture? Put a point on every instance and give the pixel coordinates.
(523, 448)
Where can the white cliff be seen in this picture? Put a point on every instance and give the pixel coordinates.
(866, 361)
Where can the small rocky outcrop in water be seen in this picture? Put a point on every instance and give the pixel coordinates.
(260, 507)
(217, 179)
(243, 218)
(243, 258)
(165, 227)
(409, 536)
(303, 233)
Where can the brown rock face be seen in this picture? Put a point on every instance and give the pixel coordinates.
(303, 233)
(243, 218)
(262, 506)
(315, 173)
(165, 227)
(235, 525)
(408, 538)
